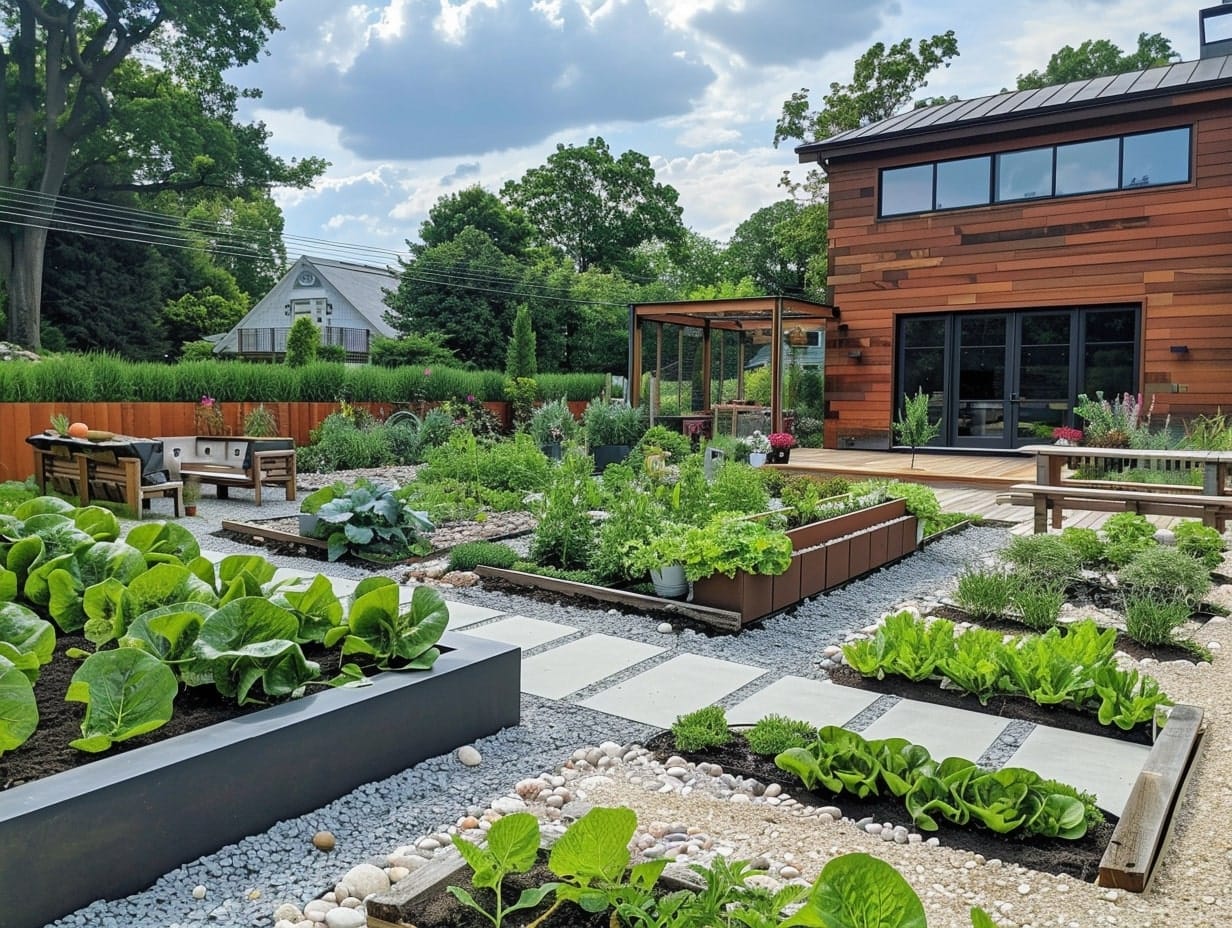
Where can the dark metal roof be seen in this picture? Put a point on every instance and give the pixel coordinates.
(1015, 105)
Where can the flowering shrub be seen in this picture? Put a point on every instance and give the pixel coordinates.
(1119, 422)
(782, 441)
(1065, 433)
(757, 443)
(207, 417)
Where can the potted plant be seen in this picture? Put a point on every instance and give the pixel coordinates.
(732, 562)
(759, 448)
(663, 559)
(551, 425)
(192, 496)
(1065, 435)
(781, 444)
(611, 431)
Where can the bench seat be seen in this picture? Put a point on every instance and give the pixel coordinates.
(1212, 510)
(233, 461)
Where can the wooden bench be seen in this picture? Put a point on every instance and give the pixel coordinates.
(92, 476)
(233, 461)
(1050, 498)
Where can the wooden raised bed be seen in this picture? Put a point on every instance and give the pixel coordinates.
(137, 815)
(827, 554)
(1142, 834)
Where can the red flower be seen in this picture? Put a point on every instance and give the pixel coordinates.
(782, 441)
(1065, 433)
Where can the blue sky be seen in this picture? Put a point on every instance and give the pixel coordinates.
(414, 99)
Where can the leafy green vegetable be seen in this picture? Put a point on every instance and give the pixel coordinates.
(859, 891)
(398, 640)
(591, 856)
(168, 632)
(26, 641)
(164, 542)
(127, 693)
(317, 607)
(71, 577)
(99, 523)
(512, 847)
(18, 708)
(164, 585)
(975, 663)
(250, 642)
(1127, 698)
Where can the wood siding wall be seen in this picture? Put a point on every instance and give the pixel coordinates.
(1167, 249)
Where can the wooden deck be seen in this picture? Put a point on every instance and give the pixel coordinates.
(970, 470)
(963, 482)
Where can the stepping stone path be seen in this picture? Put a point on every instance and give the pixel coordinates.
(684, 682)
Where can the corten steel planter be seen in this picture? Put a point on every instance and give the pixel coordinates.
(137, 815)
(815, 533)
(787, 585)
(813, 571)
(838, 562)
(752, 595)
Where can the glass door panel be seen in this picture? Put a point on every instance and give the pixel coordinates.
(1042, 398)
(923, 364)
(982, 397)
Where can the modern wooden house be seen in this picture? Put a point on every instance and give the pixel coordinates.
(345, 301)
(1008, 253)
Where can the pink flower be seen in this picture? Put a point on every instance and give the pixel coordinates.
(470, 397)
(207, 401)
(782, 441)
(427, 372)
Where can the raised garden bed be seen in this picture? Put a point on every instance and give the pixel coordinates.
(138, 814)
(827, 554)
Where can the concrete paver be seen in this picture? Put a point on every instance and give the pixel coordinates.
(575, 665)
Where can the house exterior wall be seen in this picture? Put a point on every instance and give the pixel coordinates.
(1165, 249)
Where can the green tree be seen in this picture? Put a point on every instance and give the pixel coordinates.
(465, 288)
(755, 250)
(595, 208)
(520, 360)
(508, 228)
(202, 312)
(883, 82)
(66, 68)
(1100, 58)
(302, 342)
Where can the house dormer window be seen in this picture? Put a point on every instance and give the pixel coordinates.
(1122, 162)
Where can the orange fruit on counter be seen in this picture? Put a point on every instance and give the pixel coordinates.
(78, 430)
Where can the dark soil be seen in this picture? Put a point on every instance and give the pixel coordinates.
(441, 910)
(1080, 859)
(47, 751)
(1012, 707)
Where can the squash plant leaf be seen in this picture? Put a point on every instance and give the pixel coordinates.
(860, 891)
(127, 693)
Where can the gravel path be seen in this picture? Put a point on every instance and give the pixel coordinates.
(246, 882)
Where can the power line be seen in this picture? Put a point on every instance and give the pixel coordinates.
(116, 223)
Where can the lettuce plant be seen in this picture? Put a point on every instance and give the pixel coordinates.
(127, 692)
(859, 891)
(26, 641)
(396, 639)
(18, 708)
(249, 642)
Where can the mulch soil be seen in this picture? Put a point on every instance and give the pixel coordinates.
(47, 751)
(1079, 859)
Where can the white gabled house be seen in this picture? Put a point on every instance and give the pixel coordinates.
(346, 301)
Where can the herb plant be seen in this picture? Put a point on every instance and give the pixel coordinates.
(985, 592)
(701, 729)
(1200, 542)
(729, 543)
(1153, 622)
(1042, 558)
(1166, 574)
(774, 734)
(565, 533)
(1126, 534)
(471, 554)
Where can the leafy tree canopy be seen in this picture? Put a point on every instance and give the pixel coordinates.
(595, 208)
(883, 83)
(80, 108)
(507, 227)
(1100, 58)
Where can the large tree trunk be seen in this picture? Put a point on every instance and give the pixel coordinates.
(25, 286)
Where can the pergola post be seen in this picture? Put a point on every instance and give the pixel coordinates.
(776, 366)
(635, 358)
(706, 398)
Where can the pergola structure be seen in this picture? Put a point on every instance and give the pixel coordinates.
(771, 319)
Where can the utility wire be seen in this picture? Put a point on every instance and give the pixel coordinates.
(457, 276)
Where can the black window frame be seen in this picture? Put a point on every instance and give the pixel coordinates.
(994, 174)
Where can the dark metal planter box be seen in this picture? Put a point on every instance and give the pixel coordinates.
(752, 595)
(133, 817)
(816, 533)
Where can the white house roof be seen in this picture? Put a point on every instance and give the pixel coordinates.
(360, 286)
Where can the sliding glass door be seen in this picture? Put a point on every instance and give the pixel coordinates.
(1005, 379)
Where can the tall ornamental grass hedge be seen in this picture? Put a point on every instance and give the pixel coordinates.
(101, 378)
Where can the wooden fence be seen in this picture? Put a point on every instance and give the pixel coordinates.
(149, 420)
